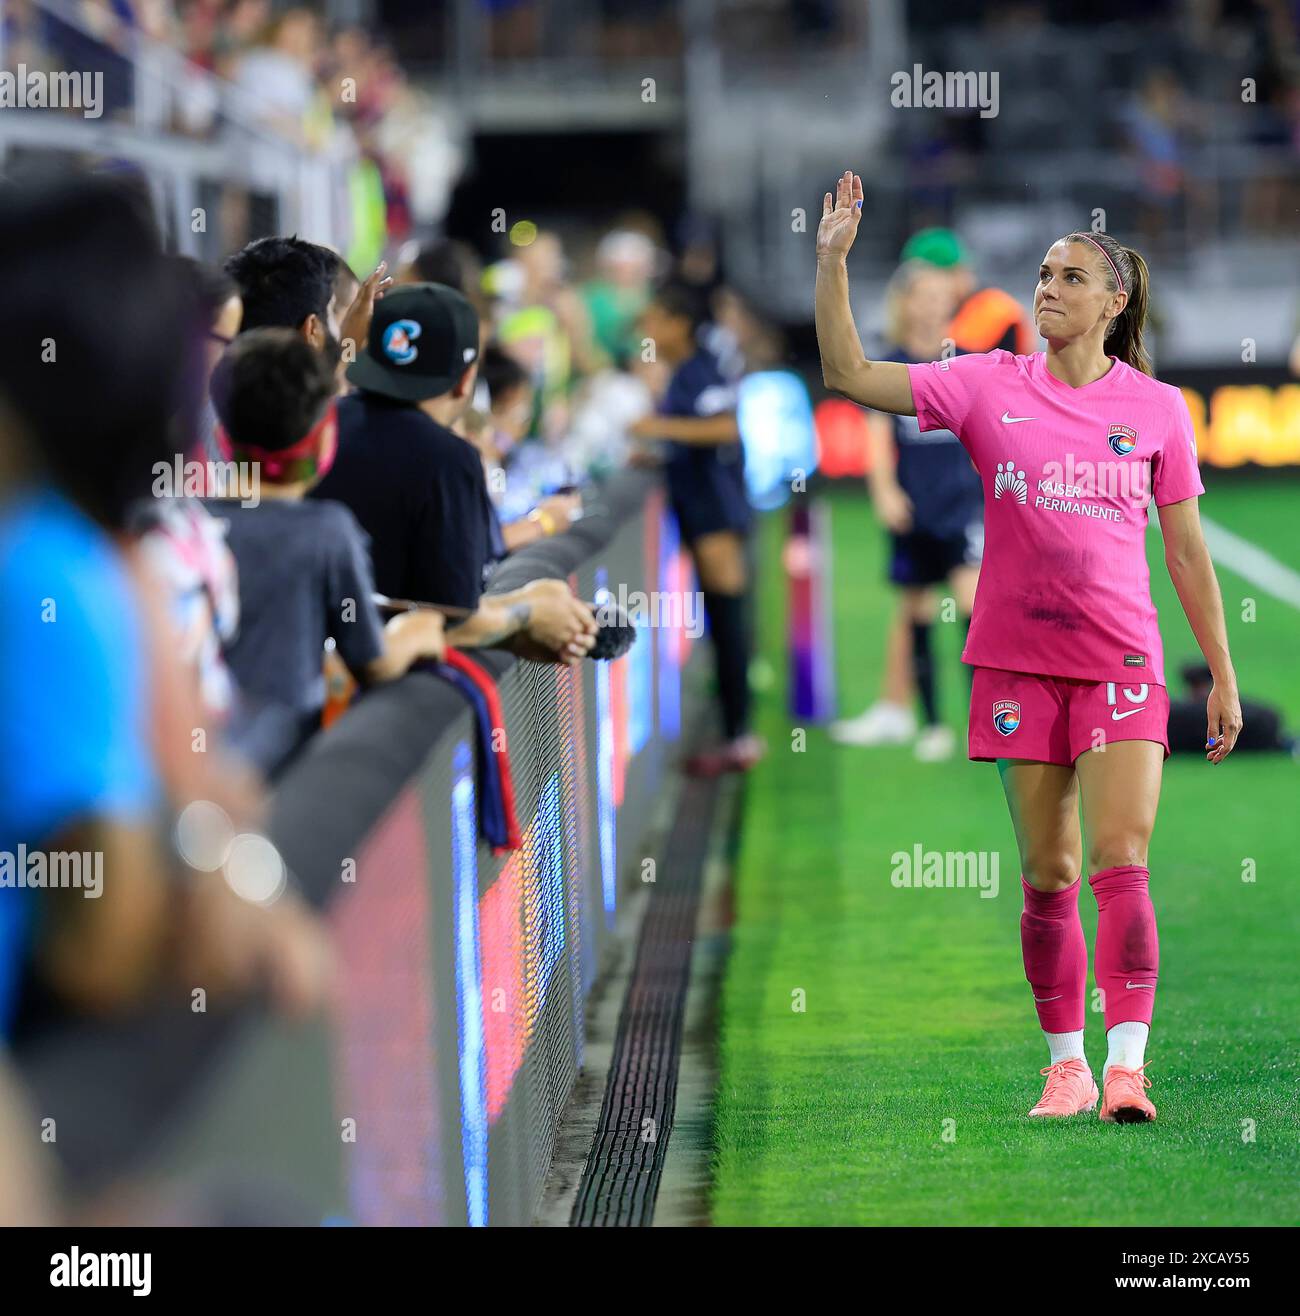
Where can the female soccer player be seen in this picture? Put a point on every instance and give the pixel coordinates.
(1068, 694)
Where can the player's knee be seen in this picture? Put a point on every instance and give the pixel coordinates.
(1051, 870)
(720, 564)
(1117, 851)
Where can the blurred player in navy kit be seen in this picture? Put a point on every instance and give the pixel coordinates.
(929, 498)
(705, 473)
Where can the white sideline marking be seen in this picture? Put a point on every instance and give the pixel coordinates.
(1252, 563)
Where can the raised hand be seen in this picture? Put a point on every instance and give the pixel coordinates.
(355, 325)
(840, 220)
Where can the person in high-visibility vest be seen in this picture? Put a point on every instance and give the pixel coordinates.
(986, 318)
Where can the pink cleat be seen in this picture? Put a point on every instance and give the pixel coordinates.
(1069, 1089)
(1124, 1101)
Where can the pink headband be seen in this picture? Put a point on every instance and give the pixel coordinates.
(1109, 262)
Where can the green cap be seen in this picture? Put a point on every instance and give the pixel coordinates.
(935, 246)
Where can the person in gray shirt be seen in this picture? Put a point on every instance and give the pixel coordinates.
(304, 566)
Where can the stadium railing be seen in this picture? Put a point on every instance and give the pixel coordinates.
(431, 1090)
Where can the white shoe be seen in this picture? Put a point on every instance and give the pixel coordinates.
(935, 744)
(881, 724)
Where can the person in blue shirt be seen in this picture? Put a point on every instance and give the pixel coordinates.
(97, 357)
(705, 474)
(101, 359)
(79, 774)
(930, 500)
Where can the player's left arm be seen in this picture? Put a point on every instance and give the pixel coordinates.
(1192, 573)
(706, 431)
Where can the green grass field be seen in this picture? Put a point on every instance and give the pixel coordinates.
(878, 1047)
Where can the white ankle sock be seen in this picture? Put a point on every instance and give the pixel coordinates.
(1065, 1046)
(1126, 1045)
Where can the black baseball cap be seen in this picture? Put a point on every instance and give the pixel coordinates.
(423, 337)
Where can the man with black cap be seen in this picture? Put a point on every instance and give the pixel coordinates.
(418, 489)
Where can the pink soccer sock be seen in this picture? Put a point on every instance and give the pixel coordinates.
(1127, 958)
(1056, 956)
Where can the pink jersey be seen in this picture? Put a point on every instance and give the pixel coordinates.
(1068, 474)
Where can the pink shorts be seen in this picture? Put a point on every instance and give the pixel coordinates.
(1054, 719)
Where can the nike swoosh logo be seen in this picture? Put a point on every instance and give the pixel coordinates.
(1042, 1000)
(1008, 419)
(1119, 717)
(1131, 985)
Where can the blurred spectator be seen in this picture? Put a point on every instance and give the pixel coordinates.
(514, 27)
(239, 26)
(473, 427)
(698, 264)
(524, 475)
(510, 390)
(615, 298)
(1160, 120)
(735, 334)
(445, 260)
(345, 98)
(219, 303)
(636, 28)
(221, 310)
(194, 572)
(278, 78)
(291, 283)
(106, 383)
(72, 653)
(1273, 195)
(553, 515)
(931, 168)
(84, 274)
(546, 325)
(304, 572)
